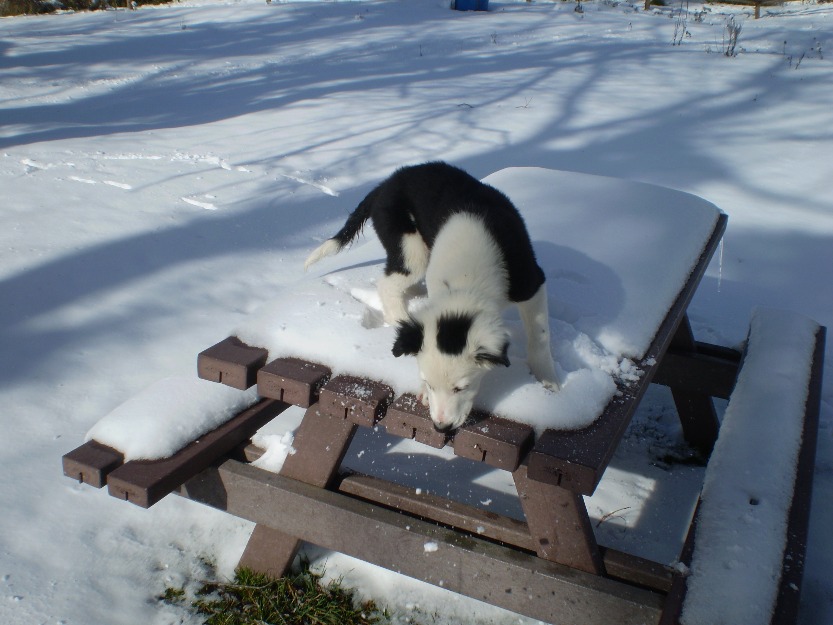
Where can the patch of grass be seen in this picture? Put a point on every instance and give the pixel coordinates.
(296, 599)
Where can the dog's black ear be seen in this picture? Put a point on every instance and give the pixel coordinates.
(489, 359)
(409, 336)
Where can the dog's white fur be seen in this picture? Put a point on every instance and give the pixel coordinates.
(465, 276)
(466, 281)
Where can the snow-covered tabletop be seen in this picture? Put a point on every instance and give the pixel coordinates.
(616, 254)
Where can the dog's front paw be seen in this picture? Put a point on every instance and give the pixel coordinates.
(423, 395)
(543, 368)
(551, 385)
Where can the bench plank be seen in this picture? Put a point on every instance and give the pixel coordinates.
(91, 463)
(144, 482)
(798, 521)
(756, 517)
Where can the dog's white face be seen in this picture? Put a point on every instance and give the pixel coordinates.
(449, 386)
(454, 350)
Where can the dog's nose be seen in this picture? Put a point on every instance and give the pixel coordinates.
(442, 428)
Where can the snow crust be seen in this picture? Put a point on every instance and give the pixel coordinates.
(166, 416)
(742, 529)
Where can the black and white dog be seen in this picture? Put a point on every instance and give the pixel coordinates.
(470, 244)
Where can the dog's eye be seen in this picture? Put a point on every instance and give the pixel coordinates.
(458, 389)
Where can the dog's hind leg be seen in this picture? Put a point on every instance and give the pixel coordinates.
(405, 267)
(536, 319)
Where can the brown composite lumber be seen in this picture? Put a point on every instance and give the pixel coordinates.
(577, 459)
(486, 571)
(409, 418)
(91, 463)
(231, 362)
(292, 380)
(144, 482)
(358, 400)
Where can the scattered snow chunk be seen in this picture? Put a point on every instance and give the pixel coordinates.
(430, 547)
(276, 448)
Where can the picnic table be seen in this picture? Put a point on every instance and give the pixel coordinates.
(549, 565)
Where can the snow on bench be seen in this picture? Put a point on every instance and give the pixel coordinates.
(168, 415)
(166, 434)
(741, 531)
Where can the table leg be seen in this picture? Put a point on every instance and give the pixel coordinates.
(559, 523)
(269, 551)
(320, 445)
(696, 411)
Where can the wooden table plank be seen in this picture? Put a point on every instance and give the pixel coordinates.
(497, 442)
(292, 380)
(576, 459)
(144, 482)
(231, 362)
(356, 399)
(409, 418)
(499, 575)
(798, 520)
(91, 463)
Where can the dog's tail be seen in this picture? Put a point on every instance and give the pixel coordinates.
(345, 236)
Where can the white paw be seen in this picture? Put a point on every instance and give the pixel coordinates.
(543, 368)
(551, 385)
(423, 395)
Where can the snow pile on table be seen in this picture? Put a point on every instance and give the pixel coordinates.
(747, 491)
(169, 414)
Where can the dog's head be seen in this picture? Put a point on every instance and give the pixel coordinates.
(455, 346)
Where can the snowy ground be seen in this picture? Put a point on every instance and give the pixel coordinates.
(165, 171)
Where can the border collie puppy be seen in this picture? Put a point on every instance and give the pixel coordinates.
(470, 244)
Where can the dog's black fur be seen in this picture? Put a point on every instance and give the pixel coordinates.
(470, 245)
(421, 198)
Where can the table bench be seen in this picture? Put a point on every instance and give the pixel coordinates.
(548, 566)
(390, 525)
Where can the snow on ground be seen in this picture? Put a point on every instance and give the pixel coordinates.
(164, 172)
